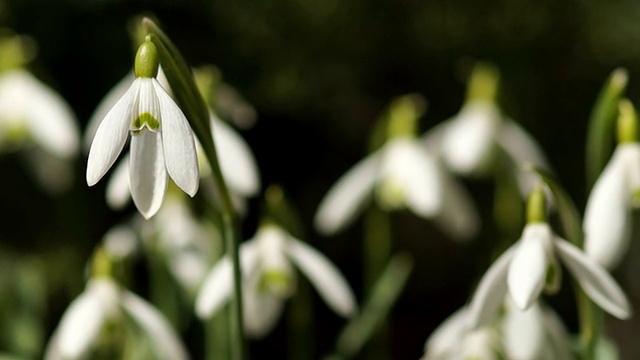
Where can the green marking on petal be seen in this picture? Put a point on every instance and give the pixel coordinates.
(145, 119)
(277, 283)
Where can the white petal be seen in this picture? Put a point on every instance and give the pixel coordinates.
(147, 173)
(236, 160)
(491, 291)
(529, 265)
(469, 138)
(179, 145)
(50, 119)
(165, 342)
(594, 280)
(560, 344)
(523, 333)
(407, 165)
(118, 194)
(522, 149)
(444, 341)
(261, 310)
(111, 136)
(104, 106)
(217, 287)
(607, 218)
(325, 277)
(347, 196)
(80, 325)
(459, 217)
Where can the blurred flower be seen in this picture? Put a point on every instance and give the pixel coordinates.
(268, 278)
(536, 333)
(103, 303)
(161, 140)
(608, 219)
(530, 265)
(401, 174)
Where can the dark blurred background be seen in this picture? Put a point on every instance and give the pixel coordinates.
(319, 73)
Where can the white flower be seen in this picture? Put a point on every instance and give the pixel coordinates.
(161, 143)
(522, 270)
(401, 174)
(536, 333)
(608, 219)
(468, 142)
(104, 302)
(267, 263)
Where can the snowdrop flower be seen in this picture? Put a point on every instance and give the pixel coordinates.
(531, 265)
(98, 308)
(468, 142)
(237, 162)
(161, 139)
(268, 278)
(608, 219)
(400, 174)
(536, 333)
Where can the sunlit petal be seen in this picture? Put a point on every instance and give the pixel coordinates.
(147, 174)
(347, 196)
(524, 332)
(179, 146)
(607, 218)
(111, 136)
(594, 280)
(118, 194)
(80, 325)
(236, 159)
(261, 309)
(325, 277)
(217, 287)
(529, 265)
(166, 343)
(445, 339)
(491, 291)
(459, 217)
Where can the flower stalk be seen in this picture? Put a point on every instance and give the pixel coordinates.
(186, 93)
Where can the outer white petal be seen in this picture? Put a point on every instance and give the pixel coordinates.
(80, 326)
(523, 333)
(217, 287)
(459, 217)
(607, 218)
(111, 136)
(594, 280)
(261, 309)
(347, 196)
(407, 165)
(104, 106)
(118, 194)
(147, 173)
(444, 342)
(236, 159)
(50, 119)
(522, 149)
(560, 344)
(165, 342)
(491, 291)
(179, 145)
(469, 138)
(325, 277)
(529, 265)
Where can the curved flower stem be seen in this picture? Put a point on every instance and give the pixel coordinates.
(191, 102)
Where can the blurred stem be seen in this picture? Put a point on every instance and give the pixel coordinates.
(588, 314)
(191, 102)
(377, 250)
(217, 336)
(300, 318)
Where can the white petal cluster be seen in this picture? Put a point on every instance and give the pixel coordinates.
(468, 142)
(536, 333)
(267, 262)
(103, 302)
(400, 174)
(522, 272)
(608, 219)
(161, 144)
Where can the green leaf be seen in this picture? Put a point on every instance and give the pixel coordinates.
(601, 124)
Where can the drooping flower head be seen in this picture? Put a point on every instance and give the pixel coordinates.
(532, 265)
(608, 219)
(161, 140)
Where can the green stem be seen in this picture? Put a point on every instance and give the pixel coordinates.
(188, 97)
(588, 325)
